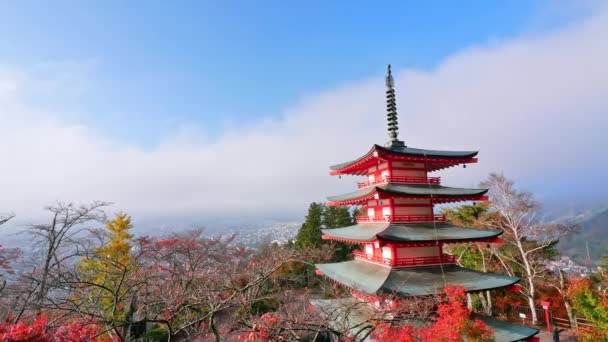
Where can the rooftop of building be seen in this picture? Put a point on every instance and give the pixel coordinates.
(402, 150)
(353, 315)
(412, 232)
(409, 190)
(374, 279)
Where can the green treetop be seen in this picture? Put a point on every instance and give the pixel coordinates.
(309, 234)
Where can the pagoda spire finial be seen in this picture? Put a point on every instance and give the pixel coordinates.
(391, 109)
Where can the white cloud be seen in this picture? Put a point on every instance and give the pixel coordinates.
(536, 108)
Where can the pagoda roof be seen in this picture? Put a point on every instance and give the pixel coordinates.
(404, 151)
(374, 279)
(352, 315)
(505, 331)
(410, 232)
(408, 190)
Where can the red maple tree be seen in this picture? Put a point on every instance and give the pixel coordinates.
(39, 330)
(452, 324)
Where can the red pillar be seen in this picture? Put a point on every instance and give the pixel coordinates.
(547, 320)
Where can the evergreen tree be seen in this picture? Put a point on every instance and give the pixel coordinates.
(309, 234)
(320, 217)
(337, 217)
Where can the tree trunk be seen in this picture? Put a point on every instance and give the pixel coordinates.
(569, 312)
(490, 303)
(532, 307)
(571, 315)
(530, 281)
(42, 294)
(469, 301)
(484, 302)
(213, 328)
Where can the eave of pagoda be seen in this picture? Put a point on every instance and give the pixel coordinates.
(354, 314)
(433, 194)
(373, 279)
(434, 162)
(435, 200)
(382, 243)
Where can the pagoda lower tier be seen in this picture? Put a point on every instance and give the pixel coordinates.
(354, 316)
(433, 192)
(411, 233)
(376, 280)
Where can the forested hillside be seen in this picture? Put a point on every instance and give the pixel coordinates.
(589, 241)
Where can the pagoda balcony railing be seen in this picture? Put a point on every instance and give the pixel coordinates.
(401, 179)
(400, 218)
(409, 261)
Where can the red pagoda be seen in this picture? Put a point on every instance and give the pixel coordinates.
(401, 236)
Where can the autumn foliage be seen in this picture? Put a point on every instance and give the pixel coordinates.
(39, 330)
(452, 324)
(592, 305)
(107, 267)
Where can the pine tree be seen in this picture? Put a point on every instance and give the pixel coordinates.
(309, 234)
(320, 217)
(337, 217)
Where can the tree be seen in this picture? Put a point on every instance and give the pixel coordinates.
(106, 271)
(103, 287)
(6, 218)
(39, 330)
(337, 217)
(190, 282)
(603, 274)
(561, 286)
(591, 305)
(309, 234)
(531, 241)
(473, 255)
(453, 323)
(7, 256)
(59, 242)
(321, 216)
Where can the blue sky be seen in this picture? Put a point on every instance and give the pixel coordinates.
(156, 65)
(203, 109)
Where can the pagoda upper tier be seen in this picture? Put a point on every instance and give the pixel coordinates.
(403, 158)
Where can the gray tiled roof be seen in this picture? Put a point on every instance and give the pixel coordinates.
(416, 152)
(507, 332)
(412, 232)
(411, 281)
(409, 190)
(351, 315)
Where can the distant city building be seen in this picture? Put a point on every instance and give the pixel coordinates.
(402, 238)
(569, 267)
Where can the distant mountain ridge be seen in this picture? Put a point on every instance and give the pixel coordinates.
(590, 240)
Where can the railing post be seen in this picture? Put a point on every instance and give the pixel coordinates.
(547, 318)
